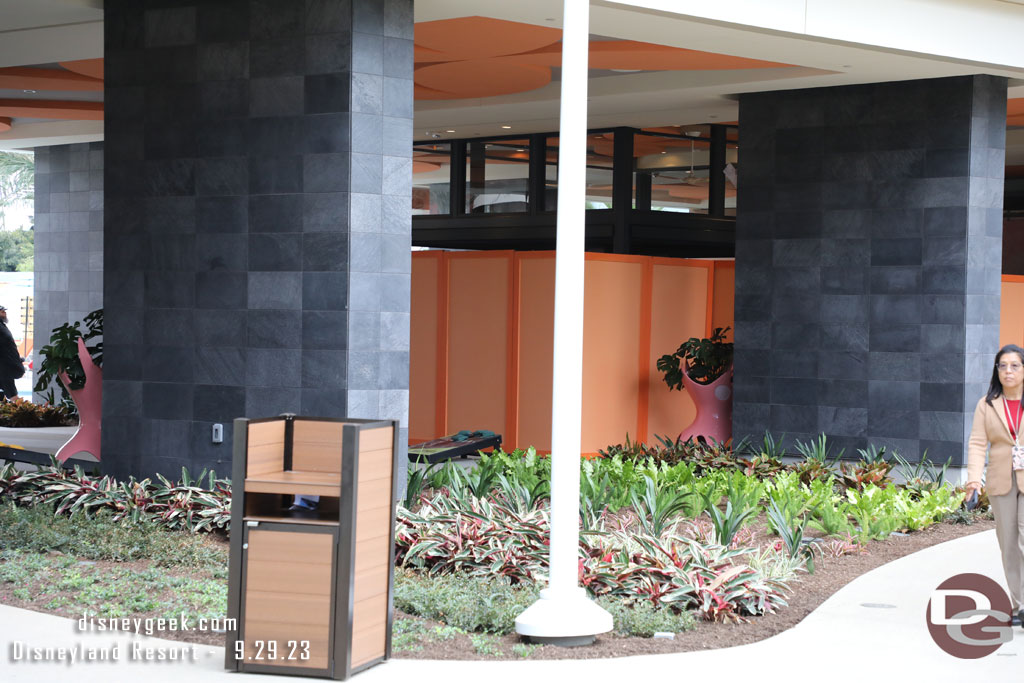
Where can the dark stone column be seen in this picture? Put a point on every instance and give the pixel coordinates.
(868, 245)
(68, 235)
(257, 230)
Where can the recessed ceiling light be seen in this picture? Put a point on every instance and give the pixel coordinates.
(847, 66)
(520, 150)
(449, 131)
(30, 92)
(507, 127)
(713, 116)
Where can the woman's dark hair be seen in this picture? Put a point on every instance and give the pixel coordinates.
(995, 387)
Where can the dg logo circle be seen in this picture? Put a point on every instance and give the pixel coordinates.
(969, 616)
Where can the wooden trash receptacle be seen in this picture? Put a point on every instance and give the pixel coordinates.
(309, 592)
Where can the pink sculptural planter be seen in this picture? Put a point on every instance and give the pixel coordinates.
(89, 400)
(714, 408)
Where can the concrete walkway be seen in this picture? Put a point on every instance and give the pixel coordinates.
(848, 638)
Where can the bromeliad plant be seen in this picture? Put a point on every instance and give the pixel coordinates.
(17, 412)
(484, 538)
(184, 505)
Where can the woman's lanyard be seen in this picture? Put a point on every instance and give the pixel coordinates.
(1014, 424)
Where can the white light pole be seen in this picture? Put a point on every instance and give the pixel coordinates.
(563, 614)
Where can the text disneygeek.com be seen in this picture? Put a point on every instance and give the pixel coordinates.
(132, 651)
(147, 627)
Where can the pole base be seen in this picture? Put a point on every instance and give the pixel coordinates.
(565, 618)
(576, 641)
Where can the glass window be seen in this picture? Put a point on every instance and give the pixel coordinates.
(675, 165)
(498, 176)
(600, 151)
(431, 176)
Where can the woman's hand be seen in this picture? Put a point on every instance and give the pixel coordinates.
(971, 488)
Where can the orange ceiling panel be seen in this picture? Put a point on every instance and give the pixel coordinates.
(695, 192)
(1015, 111)
(52, 109)
(92, 68)
(424, 166)
(646, 144)
(5, 124)
(27, 78)
(633, 55)
(482, 77)
(421, 92)
(476, 37)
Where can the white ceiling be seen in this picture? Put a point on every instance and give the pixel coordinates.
(46, 31)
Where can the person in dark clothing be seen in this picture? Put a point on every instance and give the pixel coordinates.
(11, 367)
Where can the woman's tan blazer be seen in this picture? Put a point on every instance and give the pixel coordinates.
(990, 428)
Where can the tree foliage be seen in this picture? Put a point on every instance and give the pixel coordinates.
(16, 250)
(17, 180)
(17, 184)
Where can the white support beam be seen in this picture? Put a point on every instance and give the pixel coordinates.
(45, 134)
(564, 614)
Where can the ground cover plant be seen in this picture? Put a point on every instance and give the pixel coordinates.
(93, 565)
(674, 534)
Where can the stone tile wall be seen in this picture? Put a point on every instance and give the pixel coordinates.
(258, 219)
(868, 254)
(68, 235)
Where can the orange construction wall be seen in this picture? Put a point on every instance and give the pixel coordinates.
(481, 347)
(679, 299)
(1011, 311)
(536, 348)
(479, 334)
(424, 327)
(611, 348)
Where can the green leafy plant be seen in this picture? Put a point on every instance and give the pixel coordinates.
(727, 523)
(832, 517)
(704, 360)
(923, 475)
(596, 495)
(658, 506)
(872, 454)
(415, 482)
(522, 496)
(871, 510)
(791, 531)
(61, 356)
(818, 450)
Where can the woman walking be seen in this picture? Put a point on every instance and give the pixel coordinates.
(997, 427)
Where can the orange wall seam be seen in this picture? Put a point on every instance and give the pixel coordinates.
(442, 346)
(646, 314)
(512, 380)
